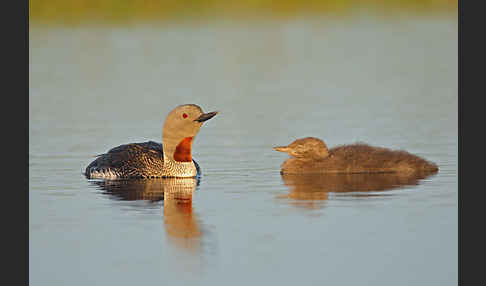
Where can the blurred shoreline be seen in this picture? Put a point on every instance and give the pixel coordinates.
(81, 12)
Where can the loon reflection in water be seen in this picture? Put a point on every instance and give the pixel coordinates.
(311, 190)
(181, 223)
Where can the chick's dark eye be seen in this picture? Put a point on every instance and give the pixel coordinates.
(184, 115)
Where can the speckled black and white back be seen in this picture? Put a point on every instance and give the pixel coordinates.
(138, 160)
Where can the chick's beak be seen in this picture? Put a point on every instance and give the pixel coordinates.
(281, 148)
(206, 116)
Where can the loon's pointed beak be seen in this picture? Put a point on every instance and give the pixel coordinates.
(281, 148)
(206, 116)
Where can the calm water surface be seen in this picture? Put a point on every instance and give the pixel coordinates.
(389, 83)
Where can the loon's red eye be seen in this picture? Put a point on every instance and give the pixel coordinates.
(184, 115)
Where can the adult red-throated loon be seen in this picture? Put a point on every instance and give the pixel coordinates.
(172, 158)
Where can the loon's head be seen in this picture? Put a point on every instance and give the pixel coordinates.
(180, 127)
(309, 148)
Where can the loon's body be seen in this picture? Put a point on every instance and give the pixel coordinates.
(138, 160)
(310, 155)
(150, 159)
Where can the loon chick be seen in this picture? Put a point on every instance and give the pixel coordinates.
(172, 158)
(310, 155)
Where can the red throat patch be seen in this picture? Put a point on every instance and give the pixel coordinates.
(183, 150)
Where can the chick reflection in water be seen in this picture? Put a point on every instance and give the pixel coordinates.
(310, 190)
(181, 224)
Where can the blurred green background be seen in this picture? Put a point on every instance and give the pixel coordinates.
(124, 11)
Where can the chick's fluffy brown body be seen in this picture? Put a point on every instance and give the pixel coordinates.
(358, 158)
